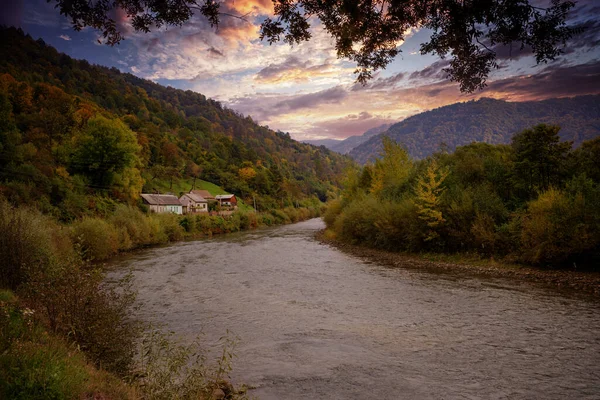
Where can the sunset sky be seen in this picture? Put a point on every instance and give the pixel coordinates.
(305, 90)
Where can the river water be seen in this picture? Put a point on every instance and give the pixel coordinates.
(315, 323)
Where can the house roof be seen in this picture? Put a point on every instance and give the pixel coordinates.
(161, 199)
(224, 196)
(204, 193)
(196, 197)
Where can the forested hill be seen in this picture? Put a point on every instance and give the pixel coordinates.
(53, 106)
(487, 120)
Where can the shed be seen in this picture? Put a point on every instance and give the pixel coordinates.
(226, 199)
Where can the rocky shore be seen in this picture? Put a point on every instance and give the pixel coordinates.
(582, 281)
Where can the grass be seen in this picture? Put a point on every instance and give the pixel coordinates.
(184, 185)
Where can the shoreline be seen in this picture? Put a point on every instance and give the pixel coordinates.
(588, 282)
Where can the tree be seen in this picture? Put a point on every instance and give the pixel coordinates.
(539, 157)
(107, 147)
(428, 191)
(390, 171)
(368, 31)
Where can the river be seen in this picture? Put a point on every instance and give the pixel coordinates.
(315, 323)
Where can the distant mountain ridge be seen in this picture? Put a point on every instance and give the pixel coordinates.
(346, 145)
(487, 120)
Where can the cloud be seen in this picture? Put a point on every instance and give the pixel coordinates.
(553, 81)
(434, 72)
(214, 52)
(266, 107)
(295, 70)
(65, 37)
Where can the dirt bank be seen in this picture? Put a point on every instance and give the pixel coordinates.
(568, 279)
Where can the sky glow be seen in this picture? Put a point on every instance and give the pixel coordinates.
(305, 90)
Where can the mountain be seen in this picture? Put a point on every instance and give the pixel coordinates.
(346, 145)
(328, 143)
(487, 120)
(54, 109)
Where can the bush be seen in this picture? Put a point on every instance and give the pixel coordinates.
(136, 229)
(97, 239)
(38, 365)
(170, 226)
(557, 228)
(77, 304)
(171, 370)
(280, 217)
(28, 240)
(333, 210)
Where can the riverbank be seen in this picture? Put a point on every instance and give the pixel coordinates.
(588, 282)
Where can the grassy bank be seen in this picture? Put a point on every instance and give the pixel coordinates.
(68, 334)
(471, 264)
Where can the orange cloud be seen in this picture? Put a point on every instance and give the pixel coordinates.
(254, 7)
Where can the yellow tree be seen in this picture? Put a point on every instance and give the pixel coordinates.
(392, 169)
(428, 191)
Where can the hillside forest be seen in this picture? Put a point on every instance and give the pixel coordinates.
(77, 139)
(534, 201)
(486, 120)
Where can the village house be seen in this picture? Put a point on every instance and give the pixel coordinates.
(226, 200)
(193, 203)
(162, 203)
(204, 193)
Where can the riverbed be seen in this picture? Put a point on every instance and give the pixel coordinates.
(316, 323)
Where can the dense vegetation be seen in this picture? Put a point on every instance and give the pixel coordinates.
(75, 138)
(489, 121)
(535, 201)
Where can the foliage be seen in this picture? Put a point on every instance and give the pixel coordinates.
(539, 155)
(533, 202)
(428, 191)
(368, 32)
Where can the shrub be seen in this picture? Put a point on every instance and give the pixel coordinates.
(28, 240)
(557, 228)
(333, 210)
(79, 305)
(97, 238)
(169, 224)
(171, 370)
(134, 226)
(280, 217)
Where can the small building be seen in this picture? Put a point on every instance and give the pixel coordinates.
(226, 200)
(204, 193)
(162, 203)
(193, 203)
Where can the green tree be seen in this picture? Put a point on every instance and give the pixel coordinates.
(539, 158)
(106, 147)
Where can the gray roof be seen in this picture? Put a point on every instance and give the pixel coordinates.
(224, 196)
(196, 197)
(161, 199)
(204, 193)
